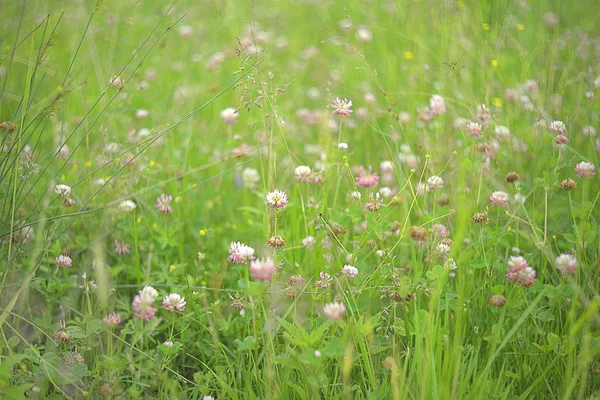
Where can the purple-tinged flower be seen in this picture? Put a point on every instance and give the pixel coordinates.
(483, 113)
(350, 271)
(342, 106)
(367, 180)
(62, 190)
(240, 253)
(434, 183)
(558, 127)
(303, 173)
(474, 129)
(174, 302)
(334, 311)
(375, 203)
(121, 248)
(63, 261)
(262, 270)
(440, 231)
(566, 263)
(163, 203)
(112, 319)
(142, 303)
(437, 105)
(500, 198)
(276, 199)
(520, 272)
(585, 169)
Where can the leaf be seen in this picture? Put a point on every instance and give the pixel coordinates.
(17, 392)
(553, 339)
(7, 364)
(93, 326)
(511, 374)
(335, 348)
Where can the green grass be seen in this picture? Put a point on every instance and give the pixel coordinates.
(413, 328)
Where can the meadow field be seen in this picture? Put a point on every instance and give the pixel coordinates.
(299, 199)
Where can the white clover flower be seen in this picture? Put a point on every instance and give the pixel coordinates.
(127, 206)
(62, 190)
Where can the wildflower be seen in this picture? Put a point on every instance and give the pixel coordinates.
(115, 82)
(334, 311)
(500, 198)
(163, 203)
(512, 177)
(295, 283)
(112, 319)
(168, 343)
(141, 113)
(72, 358)
(434, 183)
(276, 199)
(568, 184)
(68, 202)
(519, 198)
(236, 302)
(424, 114)
(342, 146)
(62, 190)
(386, 192)
(450, 264)
(483, 113)
(367, 180)
(142, 303)
(497, 300)
(240, 253)
(419, 235)
(342, 106)
(250, 178)
(127, 206)
(585, 169)
(440, 231)
(376, 202)
(350, 271)
(185, 31)
(325, 280)
(520, 272)
(63, 336)
(560, 141)
(531, 86)
(364, 34)
(8, 127)
(437, 105)
(63, 261)
(303, 173)
(174, 302)
(356, 195)
(262, 270)
(558, 127)
(276, 241)
(473, 129)
(229, 115)
(121, 248)
(309, 242)
(589, 131)
(480, 218)
(442, 250)
(566, 263)
(502, 131)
